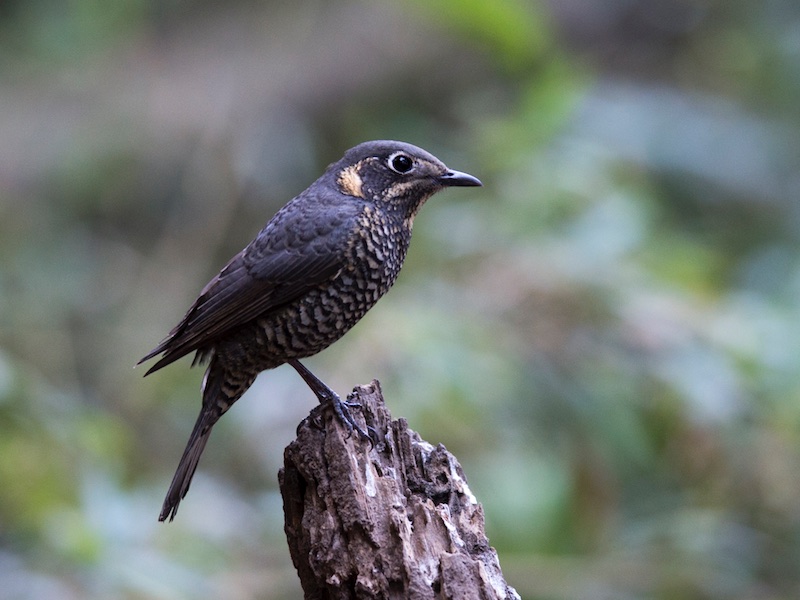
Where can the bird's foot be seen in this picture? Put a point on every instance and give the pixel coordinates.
(342, 410)
(326, 395)
(371, 434)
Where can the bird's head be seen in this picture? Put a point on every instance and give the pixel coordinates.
(395, 174)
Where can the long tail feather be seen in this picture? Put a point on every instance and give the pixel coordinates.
(215, 404)
(188, 464)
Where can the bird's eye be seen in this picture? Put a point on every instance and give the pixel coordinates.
(400, 163)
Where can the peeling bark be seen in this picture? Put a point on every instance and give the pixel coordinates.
(396, 520)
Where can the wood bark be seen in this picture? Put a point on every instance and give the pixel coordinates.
(393, 520)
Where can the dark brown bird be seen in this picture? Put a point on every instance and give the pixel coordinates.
(317, 267)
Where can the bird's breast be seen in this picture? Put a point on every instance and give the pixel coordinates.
(375, 252)
(379, 248)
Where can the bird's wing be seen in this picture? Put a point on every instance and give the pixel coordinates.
(300, 248)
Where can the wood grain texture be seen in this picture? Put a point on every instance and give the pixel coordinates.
(396, 520)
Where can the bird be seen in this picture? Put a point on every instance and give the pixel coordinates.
(320, 263)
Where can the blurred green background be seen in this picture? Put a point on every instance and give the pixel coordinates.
(607, 335)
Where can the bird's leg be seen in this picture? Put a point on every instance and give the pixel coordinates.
(326, 395)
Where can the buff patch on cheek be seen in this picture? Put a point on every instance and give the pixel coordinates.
(350, 181)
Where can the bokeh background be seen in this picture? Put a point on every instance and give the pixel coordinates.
(607, 335)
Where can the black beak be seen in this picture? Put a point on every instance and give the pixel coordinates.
(459, 179)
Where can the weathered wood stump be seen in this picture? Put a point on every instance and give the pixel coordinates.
(396, 520)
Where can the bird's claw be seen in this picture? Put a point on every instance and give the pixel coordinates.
(326, 395)
(342, 410)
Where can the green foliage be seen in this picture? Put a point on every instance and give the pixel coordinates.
(513, 31)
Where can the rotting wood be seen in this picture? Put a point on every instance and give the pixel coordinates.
(396, 520)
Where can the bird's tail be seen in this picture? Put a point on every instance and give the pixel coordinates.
(187, 466)
(215, 403)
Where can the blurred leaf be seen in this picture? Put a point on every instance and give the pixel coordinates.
(514, 30)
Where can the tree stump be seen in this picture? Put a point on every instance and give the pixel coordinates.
(396, 520)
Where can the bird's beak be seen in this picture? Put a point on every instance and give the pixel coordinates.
(459, 179)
